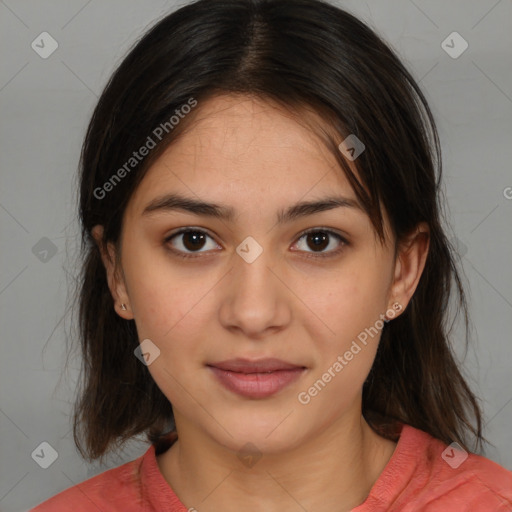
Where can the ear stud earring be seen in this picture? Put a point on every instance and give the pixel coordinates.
(123, 307)
(392, 311)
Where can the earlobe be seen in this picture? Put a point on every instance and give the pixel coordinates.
(123, 310)
(115, 281)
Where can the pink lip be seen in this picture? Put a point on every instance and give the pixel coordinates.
(256, 379)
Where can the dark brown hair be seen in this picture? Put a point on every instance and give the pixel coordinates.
(301, 54)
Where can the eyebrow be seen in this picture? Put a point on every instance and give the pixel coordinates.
(170, 202)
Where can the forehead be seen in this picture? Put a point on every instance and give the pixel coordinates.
(238, 149)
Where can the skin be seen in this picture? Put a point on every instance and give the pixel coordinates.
(259, 159)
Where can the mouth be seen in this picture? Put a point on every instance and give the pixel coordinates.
(256, 379)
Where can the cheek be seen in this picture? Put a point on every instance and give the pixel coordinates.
(352, 301)
(351, 308)
(169, 307)
(162, 292)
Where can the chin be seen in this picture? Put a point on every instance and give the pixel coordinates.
(266, 433)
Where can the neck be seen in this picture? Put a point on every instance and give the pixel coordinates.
(334, 471)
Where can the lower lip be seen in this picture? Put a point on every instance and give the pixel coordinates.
(256, 385)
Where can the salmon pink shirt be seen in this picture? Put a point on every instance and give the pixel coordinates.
(423, 475)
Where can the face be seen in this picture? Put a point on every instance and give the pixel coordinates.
(271, 281)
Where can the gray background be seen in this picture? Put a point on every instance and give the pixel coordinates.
(45, 106)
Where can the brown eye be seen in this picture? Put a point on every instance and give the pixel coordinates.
(193, 240)
(320, 239)
(189, 241)
(317, 240)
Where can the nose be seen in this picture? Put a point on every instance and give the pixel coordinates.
(256, 301)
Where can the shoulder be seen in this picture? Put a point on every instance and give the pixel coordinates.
(116, 489)
(446, 477)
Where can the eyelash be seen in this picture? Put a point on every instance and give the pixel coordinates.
(328, 254)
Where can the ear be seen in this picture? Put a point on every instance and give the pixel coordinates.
(115, 279)
(409, 264)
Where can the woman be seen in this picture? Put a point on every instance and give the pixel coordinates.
(266, 278)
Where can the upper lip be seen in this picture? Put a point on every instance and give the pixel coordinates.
(240, 365)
